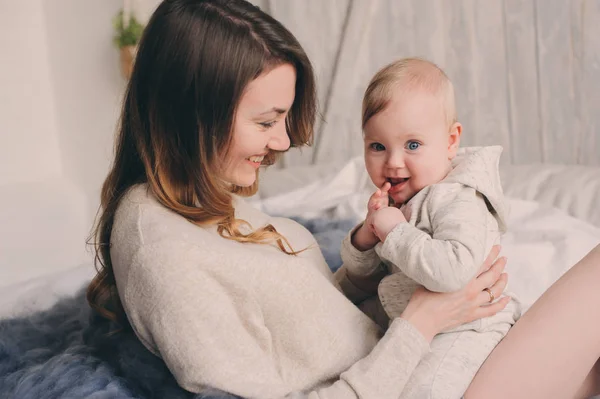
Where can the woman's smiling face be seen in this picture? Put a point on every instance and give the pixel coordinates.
(259, 124)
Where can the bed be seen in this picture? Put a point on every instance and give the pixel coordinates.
(50, 343)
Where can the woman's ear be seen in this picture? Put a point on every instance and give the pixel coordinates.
(454, 139)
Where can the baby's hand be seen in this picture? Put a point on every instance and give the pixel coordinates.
(379, 199)
(382, 221)
(364, 238)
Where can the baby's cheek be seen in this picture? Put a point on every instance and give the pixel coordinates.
(374, 171)
(369, 162)
(419, 183)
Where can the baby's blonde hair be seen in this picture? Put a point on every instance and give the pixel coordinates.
(408, 74)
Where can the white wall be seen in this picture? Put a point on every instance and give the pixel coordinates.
(29, 145)
(60, 92)
(84, 68)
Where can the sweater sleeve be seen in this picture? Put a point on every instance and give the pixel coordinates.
(449, 258)
(211, 334)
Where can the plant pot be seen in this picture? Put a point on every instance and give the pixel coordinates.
(127, 59)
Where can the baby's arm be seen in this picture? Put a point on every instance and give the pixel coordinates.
(361, 271)
(448, 259)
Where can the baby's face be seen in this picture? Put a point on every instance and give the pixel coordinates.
(409, 144)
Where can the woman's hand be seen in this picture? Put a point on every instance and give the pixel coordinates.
(433, 312)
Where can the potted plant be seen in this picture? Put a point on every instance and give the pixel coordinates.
(128, 32)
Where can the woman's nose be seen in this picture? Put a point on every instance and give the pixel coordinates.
(279, 140)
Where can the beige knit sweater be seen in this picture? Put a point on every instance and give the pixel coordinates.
(247, 318)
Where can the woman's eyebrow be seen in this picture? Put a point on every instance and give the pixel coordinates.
(275, 109)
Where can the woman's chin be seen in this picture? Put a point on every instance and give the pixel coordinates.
(245, 181)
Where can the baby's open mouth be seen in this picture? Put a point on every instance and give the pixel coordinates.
(397, 180)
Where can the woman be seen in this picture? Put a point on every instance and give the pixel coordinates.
(228, 297)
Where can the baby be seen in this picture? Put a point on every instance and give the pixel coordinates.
(437, 213)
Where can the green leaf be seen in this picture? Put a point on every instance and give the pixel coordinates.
(126, 36)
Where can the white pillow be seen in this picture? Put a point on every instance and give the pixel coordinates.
(574, 189)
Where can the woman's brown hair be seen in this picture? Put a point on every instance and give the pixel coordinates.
(194, 61)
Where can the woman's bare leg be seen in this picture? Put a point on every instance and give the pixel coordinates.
(591, 384)
(551, 351)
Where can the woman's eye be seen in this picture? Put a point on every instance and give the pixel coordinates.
(268, 125)
(377, 147)
(413, 145)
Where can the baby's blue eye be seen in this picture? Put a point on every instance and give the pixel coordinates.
(413, 145)
(377, 147)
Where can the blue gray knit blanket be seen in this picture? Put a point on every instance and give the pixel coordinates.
(65, 352)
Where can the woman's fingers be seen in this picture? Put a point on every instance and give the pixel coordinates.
(492, 309)
(496, 290)
(489, 277)
(489, 261)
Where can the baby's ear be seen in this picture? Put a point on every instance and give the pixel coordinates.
(454, 139)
